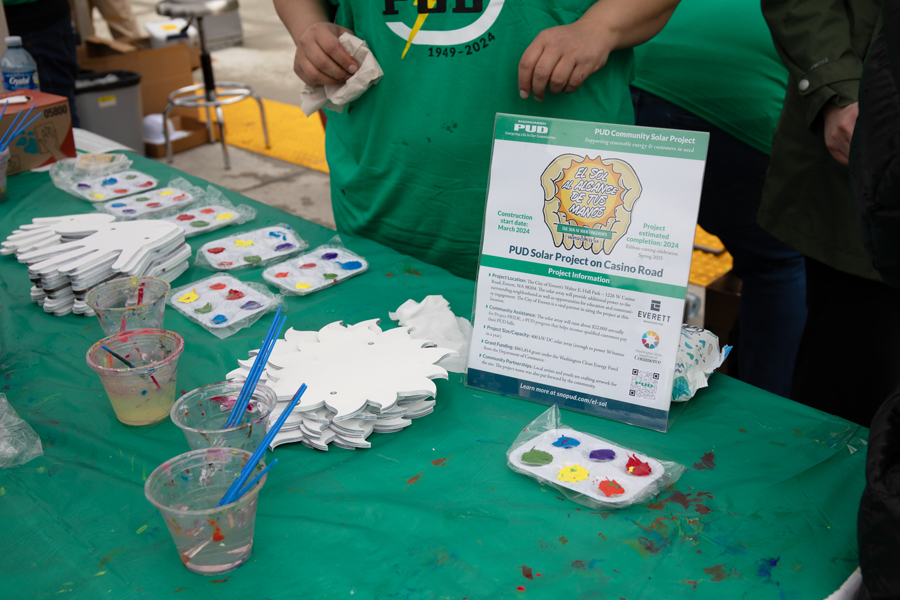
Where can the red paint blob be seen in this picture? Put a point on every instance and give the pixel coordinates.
(285, 274)
(308, 266)
(526, 572)
(146, 184)
(121, 191)
(218, 250)
(439, 462)
(217, 286)
(636, 467)
(154, 204)
(611, 488)
(708, 461)
(208, 211)
(234, 295)
(177, 198)
(226, 263)
(520, 588)
(185, 217)
(414, 479)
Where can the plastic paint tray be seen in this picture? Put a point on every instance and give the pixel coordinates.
(598, 472)
(313, 271)
(118, 185)
(219, 302)
(260, 246)
(204, 219)
(138, 205)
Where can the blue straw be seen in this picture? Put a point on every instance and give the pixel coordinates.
(255, 479)
(259, 365)
(230, 495)
(12, 127)
(19, 131)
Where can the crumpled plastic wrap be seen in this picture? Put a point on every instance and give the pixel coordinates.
(336, 97)
(433, 320)
(620, 475)
(698, 357)
(18, 441)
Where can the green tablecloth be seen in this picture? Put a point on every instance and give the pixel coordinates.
(767, 508)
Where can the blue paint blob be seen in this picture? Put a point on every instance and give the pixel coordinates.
(604, 455)
(281, 247)
(110, 181)
(219, 319)
(351, 266)
(566, 442)
(118, 204)
(329, 256)
(274, 234)
(143, 392)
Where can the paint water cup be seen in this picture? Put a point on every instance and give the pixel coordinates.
(4, 163)
(129, 303)
(201, 415)
(141, 394)
(210, 540)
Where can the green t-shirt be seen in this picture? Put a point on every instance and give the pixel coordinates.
(716, 59)
(409, 159)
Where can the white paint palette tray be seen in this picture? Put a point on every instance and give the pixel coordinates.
(117, 185)
(203, 219)
(147, 203)
(222, 304)
(604, 472)
(315, 270)
(251, 248)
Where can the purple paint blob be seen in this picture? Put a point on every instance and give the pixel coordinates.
(604, 455)
(281, 247)
(351, 266)
(329, 256)
(219, 319)
(252, 305)
(566, 442)
(128, 211)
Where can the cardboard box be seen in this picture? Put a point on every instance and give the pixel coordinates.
(46, 140)
(163, 70)
(723, 299)
(197, 136)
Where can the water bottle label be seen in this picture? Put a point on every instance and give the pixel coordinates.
(26, 80)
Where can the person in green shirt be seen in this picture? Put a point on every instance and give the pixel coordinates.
(730, 83)
(409, 158)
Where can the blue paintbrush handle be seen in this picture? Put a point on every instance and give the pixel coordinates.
(255, 479)
(250, 383)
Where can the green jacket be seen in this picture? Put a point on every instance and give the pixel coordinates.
(806, 200)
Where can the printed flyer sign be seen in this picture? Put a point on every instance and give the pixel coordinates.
(585, 257)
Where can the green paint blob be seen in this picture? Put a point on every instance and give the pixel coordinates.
(252, 259)
(329, 276)
(199, 223)
(204, 310)
(142, 199)
(537, 457)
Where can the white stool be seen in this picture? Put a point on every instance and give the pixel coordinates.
(214, 95)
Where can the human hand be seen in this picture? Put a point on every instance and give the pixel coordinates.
(320, 58)
(562, 57)
(839, 125)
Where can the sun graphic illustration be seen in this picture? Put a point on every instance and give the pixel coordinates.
(588, 202)
(359, 379)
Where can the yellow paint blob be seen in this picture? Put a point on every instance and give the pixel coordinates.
(166, 193)
(141, 529)
(189, 297)
(243, 243)
(303, 286)
(573, 474)
(41, 469)
(224, 217)
(101, 196)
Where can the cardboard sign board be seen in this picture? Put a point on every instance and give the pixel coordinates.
(585, 258)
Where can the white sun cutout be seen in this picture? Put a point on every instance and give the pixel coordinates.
(354, 375)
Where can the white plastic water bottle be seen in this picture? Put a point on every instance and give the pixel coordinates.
(18, 67)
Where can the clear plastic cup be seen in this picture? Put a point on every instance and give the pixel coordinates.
(4, 163)
(201, 415)
(142, 394)
(210, 540)
(129, 303)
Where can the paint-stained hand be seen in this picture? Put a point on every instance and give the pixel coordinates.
(839, 125)
(561, 58)
(320, 58)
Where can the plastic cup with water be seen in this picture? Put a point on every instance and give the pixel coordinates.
(201, 414)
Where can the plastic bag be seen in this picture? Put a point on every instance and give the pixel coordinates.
(156, 203)
(255, 248)
(222, 304)
(67, 173)
(585, 468)
(213, 213)
(698, 357)
(18, 441)
(317, 269)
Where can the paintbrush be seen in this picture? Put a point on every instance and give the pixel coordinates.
(129, 363)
